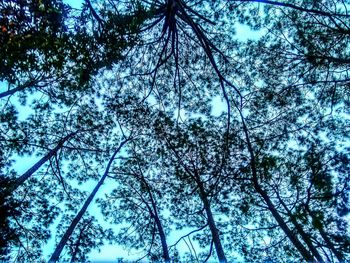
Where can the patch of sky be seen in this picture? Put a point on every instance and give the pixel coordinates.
(3, 86)
(245, 33)
(23, 163)
(74, 3)
(219, 106)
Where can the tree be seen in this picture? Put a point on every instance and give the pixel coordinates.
(139, 209)
(55, 256)
(199, 169)
(265, 180)
(49, 48)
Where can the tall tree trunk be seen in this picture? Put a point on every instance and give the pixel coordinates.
(325, 237)
(18, 88)
(19, 181)
(211, 222)
(301, 231)
(283, 225)
(155, 215)
(56, 254)
(330, 245)
(78, 242)
(162, 236)
(203, 195)
(295, 241)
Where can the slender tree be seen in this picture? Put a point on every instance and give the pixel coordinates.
(56, 254)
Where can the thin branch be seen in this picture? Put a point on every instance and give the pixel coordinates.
(190, 233)
(296, 7)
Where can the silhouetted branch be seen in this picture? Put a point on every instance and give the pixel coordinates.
(296, 7)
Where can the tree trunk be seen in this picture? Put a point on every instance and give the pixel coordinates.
(303, 251)
(203, 195)
(19, 181)
(160, 230)
(154, 213)
(56, 254)
(283, 225)
(162, 238)
(330, 245)
(325, 237)
(212, 226)
(78, 243)
(14, 90)
(301, 231)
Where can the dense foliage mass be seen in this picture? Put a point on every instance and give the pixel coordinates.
(155, 126)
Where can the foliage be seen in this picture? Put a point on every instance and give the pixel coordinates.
(122, 97)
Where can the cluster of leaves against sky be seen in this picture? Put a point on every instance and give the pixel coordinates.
(117, 96)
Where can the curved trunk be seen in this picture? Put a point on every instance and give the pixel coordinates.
(56, 254)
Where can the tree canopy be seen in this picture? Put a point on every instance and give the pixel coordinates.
(158, 126)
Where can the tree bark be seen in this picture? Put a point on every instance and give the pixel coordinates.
(212, 226)
(283, 225)
(301, 231)
(56, 254)
(18, 88)
(19, 181)
(154, 213)
(327, 240)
